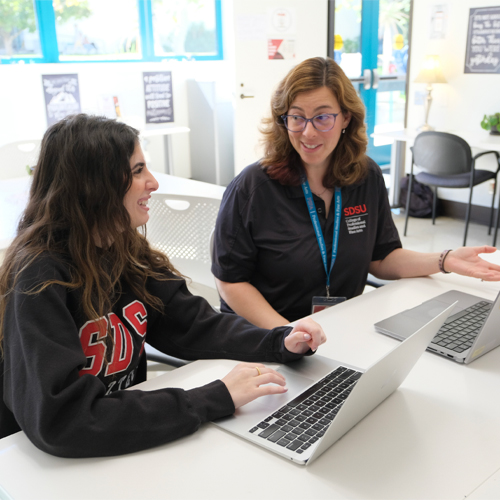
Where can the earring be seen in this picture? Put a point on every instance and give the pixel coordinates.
(343, 130)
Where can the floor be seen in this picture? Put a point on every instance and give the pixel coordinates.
(421, 236)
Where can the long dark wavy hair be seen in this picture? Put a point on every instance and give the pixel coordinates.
(76, 200)
(348, 163)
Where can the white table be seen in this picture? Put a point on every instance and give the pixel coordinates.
(436, 437)
(480, 140)
(14, 196)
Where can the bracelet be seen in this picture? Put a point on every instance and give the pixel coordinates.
(442, 258)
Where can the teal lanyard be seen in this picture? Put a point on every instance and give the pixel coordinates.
(317, 228)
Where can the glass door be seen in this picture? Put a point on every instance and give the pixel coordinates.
(371, 46)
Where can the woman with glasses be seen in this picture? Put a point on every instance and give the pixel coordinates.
(300, 229)
(81, 291)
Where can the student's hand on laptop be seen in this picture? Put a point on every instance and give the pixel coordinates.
(306, 334)
(249, 381)
(466, 261)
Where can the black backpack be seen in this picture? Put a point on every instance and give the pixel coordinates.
(421, 198)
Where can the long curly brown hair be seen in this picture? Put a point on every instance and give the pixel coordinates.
(348, 163)
(76, 199)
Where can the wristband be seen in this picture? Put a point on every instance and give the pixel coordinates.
(442, 258)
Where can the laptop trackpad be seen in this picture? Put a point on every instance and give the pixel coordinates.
(295, 384)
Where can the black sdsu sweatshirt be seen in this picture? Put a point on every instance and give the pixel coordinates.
(56, 385)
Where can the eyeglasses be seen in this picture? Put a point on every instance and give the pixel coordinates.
(322, 123)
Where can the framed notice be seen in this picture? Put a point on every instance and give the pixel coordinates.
(62, 96)
(158, 96)
(482, 53)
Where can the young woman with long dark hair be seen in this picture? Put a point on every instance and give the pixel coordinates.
(81, 291)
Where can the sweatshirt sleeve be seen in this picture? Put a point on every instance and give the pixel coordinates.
(69, 415)
(189, 328)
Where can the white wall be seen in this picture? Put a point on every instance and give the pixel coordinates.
(22, 107)
(466, 98)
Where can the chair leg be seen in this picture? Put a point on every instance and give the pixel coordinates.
(434, 204)
(408, 198)
(497, 220)
(492, 207)
(496, 229)
(467, 216)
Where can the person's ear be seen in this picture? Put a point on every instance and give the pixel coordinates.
(346, 119)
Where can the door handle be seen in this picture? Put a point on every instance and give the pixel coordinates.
(367, 79)
(376, 78)
(243, 96)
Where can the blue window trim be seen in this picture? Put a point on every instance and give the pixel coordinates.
(370, 10)
(46, 22)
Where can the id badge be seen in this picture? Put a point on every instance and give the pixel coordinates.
(320, 303)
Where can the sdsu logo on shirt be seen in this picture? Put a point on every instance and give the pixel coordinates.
(355, 218)
(358, 209)
(93, 333)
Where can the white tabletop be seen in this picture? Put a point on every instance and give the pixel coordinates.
(162, 130)
(436, 437)
(14, 196)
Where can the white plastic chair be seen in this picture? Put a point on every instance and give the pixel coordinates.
(181, 226)
(17, 158)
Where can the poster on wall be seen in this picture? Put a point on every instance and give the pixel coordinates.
(62, 96)
(158, 96)
(281, 33)
(482, 53)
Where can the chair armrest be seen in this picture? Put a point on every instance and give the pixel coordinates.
(153, 354)
(376, 282)
(482, 153)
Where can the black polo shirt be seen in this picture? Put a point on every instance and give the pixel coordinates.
(264, 236)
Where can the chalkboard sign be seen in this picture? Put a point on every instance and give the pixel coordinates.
(62, 96)
(483, 41)
(158, 96)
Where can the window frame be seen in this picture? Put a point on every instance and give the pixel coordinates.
(46, 23)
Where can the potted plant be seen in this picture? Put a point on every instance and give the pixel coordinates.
(492, 123)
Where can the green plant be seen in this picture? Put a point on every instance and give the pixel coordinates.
(491, 121)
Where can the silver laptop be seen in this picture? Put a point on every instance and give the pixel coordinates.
(325, 399)
(472, 329)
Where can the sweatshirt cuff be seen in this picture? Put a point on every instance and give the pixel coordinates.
(211, 401)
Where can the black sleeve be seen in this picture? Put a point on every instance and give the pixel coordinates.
(234, 252)
(69, 415)
(199, 332)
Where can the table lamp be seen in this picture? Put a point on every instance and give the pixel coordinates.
(430, 73)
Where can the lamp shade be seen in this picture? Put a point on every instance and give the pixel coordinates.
(431, 71)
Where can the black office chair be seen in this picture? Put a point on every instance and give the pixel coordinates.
(446, 161)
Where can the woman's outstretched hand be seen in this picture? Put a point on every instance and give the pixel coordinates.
(249, 381)
(466, 261)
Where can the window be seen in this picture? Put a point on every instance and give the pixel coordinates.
(184, 27)
(18, 30)
(95, 30)
(113, 30)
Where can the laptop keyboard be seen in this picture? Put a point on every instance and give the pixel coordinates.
(459, 334)
(305, 419)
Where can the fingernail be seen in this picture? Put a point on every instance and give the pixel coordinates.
(307, 336)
